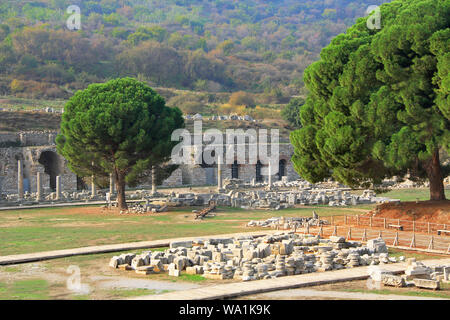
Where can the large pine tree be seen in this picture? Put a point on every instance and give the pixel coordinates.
(378, 102)
(122, 126)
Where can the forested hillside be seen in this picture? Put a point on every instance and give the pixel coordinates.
(221, 45)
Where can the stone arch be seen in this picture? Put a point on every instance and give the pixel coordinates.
(50, 160)
(235, 170)
(259, 176)
(282, 164)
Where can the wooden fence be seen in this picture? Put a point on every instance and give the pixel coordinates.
(397, 233)
(386, 223)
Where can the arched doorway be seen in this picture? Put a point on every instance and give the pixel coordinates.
(210, 170)
(281, 169)
(259, 177)
(49, 160)
(235, 170)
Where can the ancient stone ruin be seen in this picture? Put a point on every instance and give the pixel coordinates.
(247, 258)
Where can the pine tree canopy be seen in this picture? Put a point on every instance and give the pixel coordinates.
(121, 127)
(378, 103)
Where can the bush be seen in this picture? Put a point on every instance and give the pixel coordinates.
(242, 98)
(291, 113)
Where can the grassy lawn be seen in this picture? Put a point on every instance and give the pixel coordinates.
(411, 254)
(34, 230)
(422, 194)
(23, 231)
(34, 289)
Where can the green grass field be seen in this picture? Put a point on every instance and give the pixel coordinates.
(422, 194)
(25, 231)
(34, 230)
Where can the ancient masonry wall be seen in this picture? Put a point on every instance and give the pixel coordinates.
(30, 157)
(37, 151)
(196, 175)
(30, 138)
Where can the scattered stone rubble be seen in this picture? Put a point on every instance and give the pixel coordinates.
(287, 223)
(233, 117)
(416, 274)
(275, 200)
(246, 258)
(146, 207)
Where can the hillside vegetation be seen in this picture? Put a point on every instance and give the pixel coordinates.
(257, 46)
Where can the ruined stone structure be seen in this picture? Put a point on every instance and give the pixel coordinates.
(204, 174)
(37, 152)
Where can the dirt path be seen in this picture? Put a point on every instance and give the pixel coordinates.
(309, 294)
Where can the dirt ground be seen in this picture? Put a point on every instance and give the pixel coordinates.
(424, 211)
(98, 280)
(354, 290)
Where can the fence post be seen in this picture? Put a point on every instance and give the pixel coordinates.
(320, 234)
(384, 223)
(349, 234)
(335, 231)
(357, 220)
(395, 240)
(429, 230)
(345, 219)
(364, 237)
(430, 246)
(370, 221)
(332, 220)
(414, 226)
(413, 241)
(380, 235)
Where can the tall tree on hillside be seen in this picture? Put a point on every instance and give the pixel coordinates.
(379, 100)
(122, 126)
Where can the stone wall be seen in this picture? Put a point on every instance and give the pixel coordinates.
(35, 147)
(30, 138)
(31, 157)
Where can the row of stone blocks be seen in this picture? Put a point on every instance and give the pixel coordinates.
(416, 274)
(247, 258)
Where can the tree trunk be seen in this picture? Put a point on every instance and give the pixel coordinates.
(437, 191)
(120, 189)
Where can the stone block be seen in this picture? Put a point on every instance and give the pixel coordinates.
(377, 273)
(377, 245)
(191, 270)
(177, 244)
(124, 266)
(180, 262)
(392, 280)
(214, 276)
(157, 265)
(114, 262)
(137, 262)
(418, 272)
(335, 239)
(426, 284)
(145, 270)
(237, 252)
(217, 257)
